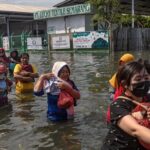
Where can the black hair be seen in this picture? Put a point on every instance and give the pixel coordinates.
(126, 72)
(24, 54)
(146, 63)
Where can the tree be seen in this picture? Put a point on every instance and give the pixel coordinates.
(106, 12)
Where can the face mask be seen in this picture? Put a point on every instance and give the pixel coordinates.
(141, 89)
(2, 76)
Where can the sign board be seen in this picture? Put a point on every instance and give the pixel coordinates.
(34, 43)
(61, 42)
(6, 43)
(63, 11)
(93, 39)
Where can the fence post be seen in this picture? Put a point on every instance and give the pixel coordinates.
(1, 40)
(23, 46)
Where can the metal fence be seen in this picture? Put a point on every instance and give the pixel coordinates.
(19, 42)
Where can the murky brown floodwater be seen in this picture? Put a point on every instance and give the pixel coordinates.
(25, 126)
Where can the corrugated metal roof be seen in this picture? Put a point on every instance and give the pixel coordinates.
(20, 8)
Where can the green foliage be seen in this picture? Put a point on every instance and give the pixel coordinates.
(107, 12)
(142, 21)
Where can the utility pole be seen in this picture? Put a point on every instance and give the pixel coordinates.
(132, 13)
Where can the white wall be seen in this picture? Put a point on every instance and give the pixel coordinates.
(74, 23)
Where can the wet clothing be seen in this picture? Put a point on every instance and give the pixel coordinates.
(54, 113)
(118, 92)
(116, 138)
(4, 83)
(24, 87)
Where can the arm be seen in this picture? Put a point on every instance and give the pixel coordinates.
(9, 84)
(19, 76)
(67, 87)
(22, 78)
(29, 74)
(129, 125)
(33, 74)
(40, 82)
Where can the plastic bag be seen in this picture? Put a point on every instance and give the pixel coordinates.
(65, 100)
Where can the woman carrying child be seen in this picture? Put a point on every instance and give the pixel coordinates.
(24, 74)
(53, 84)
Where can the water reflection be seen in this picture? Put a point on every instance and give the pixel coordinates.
(26, 126)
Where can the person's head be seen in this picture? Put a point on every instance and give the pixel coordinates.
(24, 58)
(3, 71)
(61, 69)
(125, 58)
(134, 78)
(2, 52)
(14, 54)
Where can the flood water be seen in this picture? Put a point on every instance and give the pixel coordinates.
(25, 125)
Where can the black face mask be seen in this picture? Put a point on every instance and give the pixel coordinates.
(141, 89)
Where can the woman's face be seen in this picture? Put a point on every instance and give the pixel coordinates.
(139, 84)
(24, 59)
(139, 77)
(64, 74)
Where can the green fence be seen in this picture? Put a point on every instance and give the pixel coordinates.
(19, 42)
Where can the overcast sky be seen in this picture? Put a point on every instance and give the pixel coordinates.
(42, 3)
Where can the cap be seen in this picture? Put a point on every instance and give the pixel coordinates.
(127, 58)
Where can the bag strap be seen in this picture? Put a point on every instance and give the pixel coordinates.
(134, 101)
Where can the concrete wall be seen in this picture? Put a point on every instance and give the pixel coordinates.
(88, 23)
(66, 24)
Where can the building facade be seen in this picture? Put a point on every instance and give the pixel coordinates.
(76, 18)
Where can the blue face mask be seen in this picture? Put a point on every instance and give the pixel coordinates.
(2, 76)
(141, 89)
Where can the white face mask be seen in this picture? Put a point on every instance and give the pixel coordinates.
(2, 76)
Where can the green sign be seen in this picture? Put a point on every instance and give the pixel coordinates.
(63, 11)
